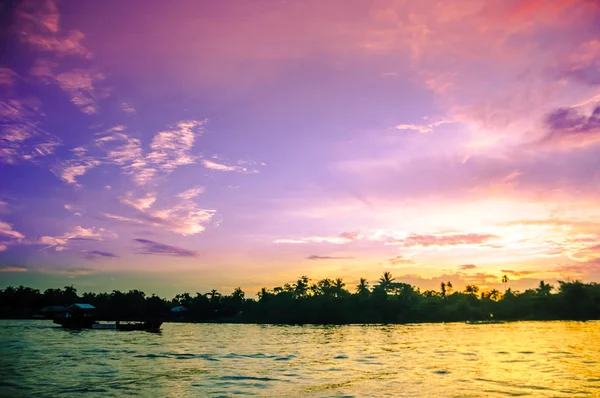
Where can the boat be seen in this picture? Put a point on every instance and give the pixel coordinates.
(484, 322)
(81, 316)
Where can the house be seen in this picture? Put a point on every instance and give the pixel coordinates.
(178, 309)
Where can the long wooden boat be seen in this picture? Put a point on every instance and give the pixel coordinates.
(81, 316)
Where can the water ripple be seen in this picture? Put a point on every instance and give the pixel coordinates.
(535, 359)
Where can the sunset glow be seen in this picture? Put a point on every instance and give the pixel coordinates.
(187, 145)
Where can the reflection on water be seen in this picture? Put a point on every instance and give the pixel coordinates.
(536, 359)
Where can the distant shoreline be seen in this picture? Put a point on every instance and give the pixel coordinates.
(324, 302)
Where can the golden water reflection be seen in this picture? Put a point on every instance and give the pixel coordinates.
(536, 359)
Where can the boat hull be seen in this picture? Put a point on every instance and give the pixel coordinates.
(150, 326)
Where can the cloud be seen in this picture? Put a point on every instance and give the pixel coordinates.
(589, 269)
(570, 128)
(21, 137)
(242, 166)
(152, 247)
(69, 170)
(80, 84)
(72, 170)
(140, 204)
(209, 164)
(7, 77)
(290, 241)
(3, 247)
(184, 217)
(583, 65)
(467, 266)
(191, 193)
(444, 240)
(98, 254)
(336, 240)
(126, 152)
(123, 219)
(421, 128)
(572, 225)
(171, 148)
(583, 251)
(519, 273)
(7, 230)
(128, 108)
(12, 268)
(315, 257)
(393, 238)
(59, 243)
(399, 260)
(37, 24)
(69, 272)
(344, 237)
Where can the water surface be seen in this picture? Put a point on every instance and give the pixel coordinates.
(529, 359)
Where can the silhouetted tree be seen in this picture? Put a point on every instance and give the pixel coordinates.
(362, 289)
(326, 301)
(471, 289)
(386, 281)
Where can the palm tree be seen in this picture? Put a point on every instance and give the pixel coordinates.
(494, 294)
(324, 287)
(238, 293)
(505, 281)
(386, 281)
(363, 287)
(471, 289)
(449, 286)
(443, 289)
(263, 294)
(214, 295)
(338, 287)
(301, 287)
(544, 288)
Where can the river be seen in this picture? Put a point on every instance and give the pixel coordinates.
(529, 359)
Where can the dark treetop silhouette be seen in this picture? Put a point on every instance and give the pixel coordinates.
(326, 301)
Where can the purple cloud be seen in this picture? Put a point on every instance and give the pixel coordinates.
(97, 254)
(570, 120)
(152, 247)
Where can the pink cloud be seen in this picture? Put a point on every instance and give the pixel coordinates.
(400, 260)
(184, 217)
(60, 243)
(140, 204)
(10, 268)
(7, 230)
(37, 24)
(444, 240)
(7, 77)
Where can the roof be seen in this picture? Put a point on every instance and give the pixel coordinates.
(83, 306)
(179, 308)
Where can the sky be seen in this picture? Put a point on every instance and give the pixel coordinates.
(175, 146)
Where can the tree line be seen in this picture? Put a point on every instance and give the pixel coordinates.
(326, 301)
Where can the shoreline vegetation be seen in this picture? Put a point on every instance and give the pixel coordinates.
(327, 301)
